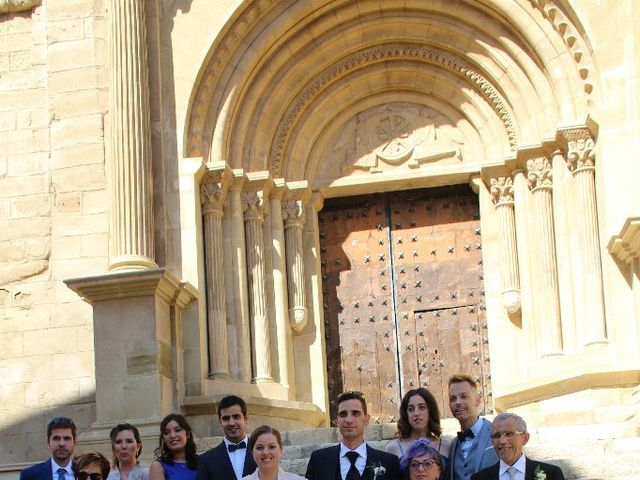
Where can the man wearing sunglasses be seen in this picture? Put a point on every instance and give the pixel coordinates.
(509, 435)
(92, 466)
(353, 459)
(61, 442)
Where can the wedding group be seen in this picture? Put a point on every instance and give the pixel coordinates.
(481, 450)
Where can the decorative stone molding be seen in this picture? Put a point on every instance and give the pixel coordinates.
(385, 53)
(539, 174)
(213, 190)
(502, 191)
(13, 6)
(581, 152)
(625, 246)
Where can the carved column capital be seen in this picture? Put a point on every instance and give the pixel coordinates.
(293, 213)
(581, 149)
(502, 191)
(539, 174)
(253, 206)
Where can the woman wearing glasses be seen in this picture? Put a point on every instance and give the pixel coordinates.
(176, 457)
(92, 466)
(421, 462)
(419, 418)
(126, 446)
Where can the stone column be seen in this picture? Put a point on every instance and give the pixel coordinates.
(581, 158)
(253, 206)
(502, 194)
(240, 315)
(213, 191)
(280, 285)
(545, 273)
(294, 218)
(131, 240)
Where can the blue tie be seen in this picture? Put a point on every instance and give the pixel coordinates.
(61, 473)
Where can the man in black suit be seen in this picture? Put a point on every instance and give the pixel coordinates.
(353, 459)
(230, 460)
(509, 435)
(61, 442)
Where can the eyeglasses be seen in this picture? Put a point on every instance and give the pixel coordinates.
(350, 394)
(427, 465)
(91, 476)
(498, 435)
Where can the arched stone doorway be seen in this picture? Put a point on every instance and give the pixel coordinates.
(365, 97)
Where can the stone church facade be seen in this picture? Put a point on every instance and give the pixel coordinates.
(285, 199)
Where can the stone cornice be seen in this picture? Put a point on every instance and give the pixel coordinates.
(158, 281)
(626, 245)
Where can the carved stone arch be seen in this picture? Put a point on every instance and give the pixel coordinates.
(529, 60)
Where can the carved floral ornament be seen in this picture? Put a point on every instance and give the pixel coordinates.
(581, 149)
(293, 213)
(502, 191)
(212, 195)
(253, 206)
(539, 173)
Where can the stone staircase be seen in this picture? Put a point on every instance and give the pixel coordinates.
(603, 451)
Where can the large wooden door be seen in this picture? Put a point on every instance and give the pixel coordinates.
(403, 295)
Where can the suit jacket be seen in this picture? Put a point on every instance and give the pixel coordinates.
(552, 472)
(324, 464)
(39, 471)
(215, 464)
(481, 457)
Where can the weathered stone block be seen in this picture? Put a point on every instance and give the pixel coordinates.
(52, 340)
(31, 206)
(51, 393)
(79, 154)
(73, 80)
(25, 369)
(81, 225)
(65, 30)
(74, 365)
(96, 245)
(13, 345)
(77, 130)
(26, 140)
(67, 202)
(11, 396)
(7, 119)
(96, 201)
(35, 163)
(71, 315)
(71, 55)
(34, 118)
(26, 185)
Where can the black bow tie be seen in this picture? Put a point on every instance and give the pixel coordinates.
(465, 434)
(232, 447)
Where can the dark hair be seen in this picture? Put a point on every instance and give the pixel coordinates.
(230, 401)
(262, 430)
(165, 454)
(61, 422)
(123, 427)
(433, 425)
(461, 377)
(86, 459)
(420, 447)
(353, 395)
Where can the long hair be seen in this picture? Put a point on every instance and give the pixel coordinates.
(433, 425)
(123, 427)
(164, 454)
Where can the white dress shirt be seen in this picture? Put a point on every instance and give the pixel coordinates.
(237, 457)
(519, 465)
(465, 445)
(361, 461)
(68, 470)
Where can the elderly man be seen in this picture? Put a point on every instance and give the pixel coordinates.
(509, 435)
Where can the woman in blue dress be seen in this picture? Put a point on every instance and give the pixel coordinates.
(176, 457)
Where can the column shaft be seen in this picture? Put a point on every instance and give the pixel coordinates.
(131, 246)
(294, 223)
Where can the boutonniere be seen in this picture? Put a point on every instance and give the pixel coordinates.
(538, 473)
(378, 470)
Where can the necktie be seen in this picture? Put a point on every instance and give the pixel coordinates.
(463, 435)
(61, 473)
(353, 473)
(233, 447)
(511, 471)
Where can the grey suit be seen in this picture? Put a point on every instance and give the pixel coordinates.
(481, 455)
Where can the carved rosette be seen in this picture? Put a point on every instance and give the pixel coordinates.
(539, 173)
(502, 191)
(293, 213)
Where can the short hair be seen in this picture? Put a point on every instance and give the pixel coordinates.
(61, 422)
(230, 401)
(353, 395)
(123, 427)
(86, 459)
(461, 377)
(520, 423)
(165, 454)
(419, 448)
(262, 430)
(433, 425)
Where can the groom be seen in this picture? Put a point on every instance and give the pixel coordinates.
(509, 435)
(353, 459)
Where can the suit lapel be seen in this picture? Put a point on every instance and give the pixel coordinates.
(223, 455)
(530, 466)
(249, 464)
(482, 440)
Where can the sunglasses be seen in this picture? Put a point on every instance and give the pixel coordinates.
(90, 476)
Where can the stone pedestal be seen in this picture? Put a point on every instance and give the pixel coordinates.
(136, 318)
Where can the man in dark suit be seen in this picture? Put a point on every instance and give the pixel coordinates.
(509, 436)
(353, 459)
(61, 442)
(471, 450)
(230, 460)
